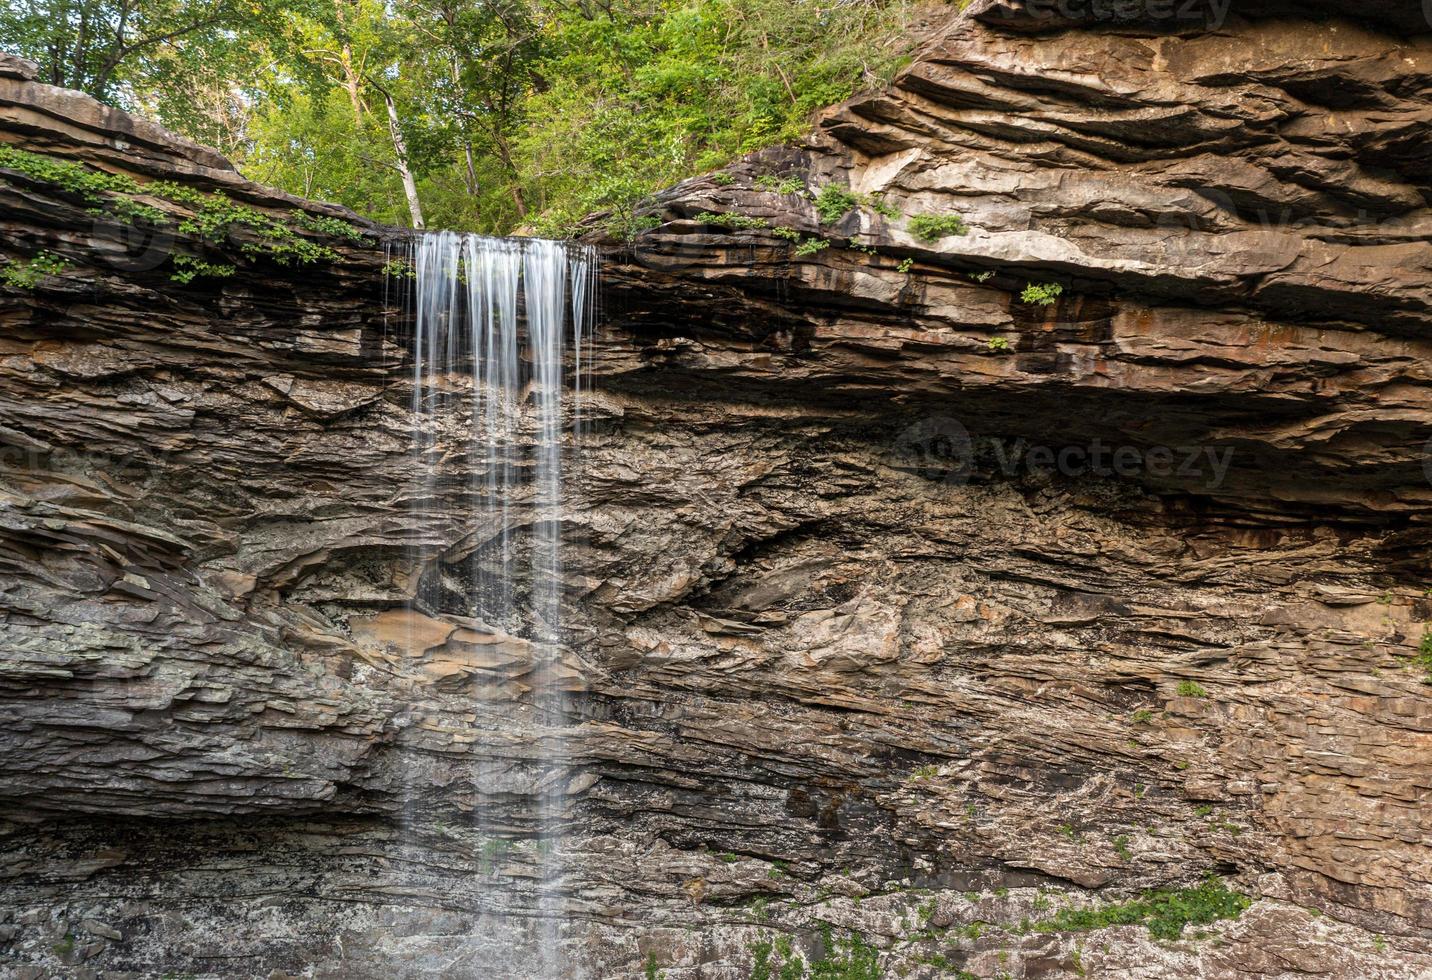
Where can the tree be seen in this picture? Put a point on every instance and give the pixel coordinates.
(113, 48)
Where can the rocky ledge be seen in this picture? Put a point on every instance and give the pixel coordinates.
(945, 584)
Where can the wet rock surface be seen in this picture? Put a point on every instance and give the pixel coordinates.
(846, 646)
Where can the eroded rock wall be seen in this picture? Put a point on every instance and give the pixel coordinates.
(826, 664)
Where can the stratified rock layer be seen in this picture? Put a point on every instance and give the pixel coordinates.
(844, 649)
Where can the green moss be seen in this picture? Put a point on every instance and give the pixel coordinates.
(723, 177)
(1163, 912)
(1142, 717)
(27, 274)
(933, 227)
(1041, 294)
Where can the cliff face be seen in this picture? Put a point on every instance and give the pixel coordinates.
(899, 602)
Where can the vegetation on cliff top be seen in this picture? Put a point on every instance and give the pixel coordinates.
(487, 115)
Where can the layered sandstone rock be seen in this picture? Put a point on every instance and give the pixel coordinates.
(842, 650)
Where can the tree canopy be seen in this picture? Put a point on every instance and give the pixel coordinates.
(490, 115)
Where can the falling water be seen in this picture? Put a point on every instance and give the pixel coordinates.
(499, 335)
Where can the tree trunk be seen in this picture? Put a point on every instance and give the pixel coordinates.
(471, 169)
(505, 153)
(400, 150)
(350, 82)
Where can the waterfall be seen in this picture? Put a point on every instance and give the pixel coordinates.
(499, 331)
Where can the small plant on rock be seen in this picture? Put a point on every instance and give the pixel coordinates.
(811, 246)
(1191, 689)
(1042, 294)
(933, 227)
(834, 202)
(736, 222)
(27, 275)
(187, 268)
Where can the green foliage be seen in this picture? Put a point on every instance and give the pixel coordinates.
(324, 225)
(132, 212)
(27, 275)
(780, 185)
(761, 951)
(509, 113)
(933, 227)
(851, 958)
(981, 276)
(924, 772)
(905, 265)
(1191, 689)
(834, 202)
(789, 234)
(848, 958)
(732, 220)
(187, 268)
(1163, 912)
(657, 92)
(166, 54)
(998, 345)
(400, 269)
(723, 177)
(883, 207)
(217, 218)
(1424, 655)
(1043, 294)
(107, 194)
(652, 972)
(1142, 717)
(1121, 847)
(64, 174)
(811, 246)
